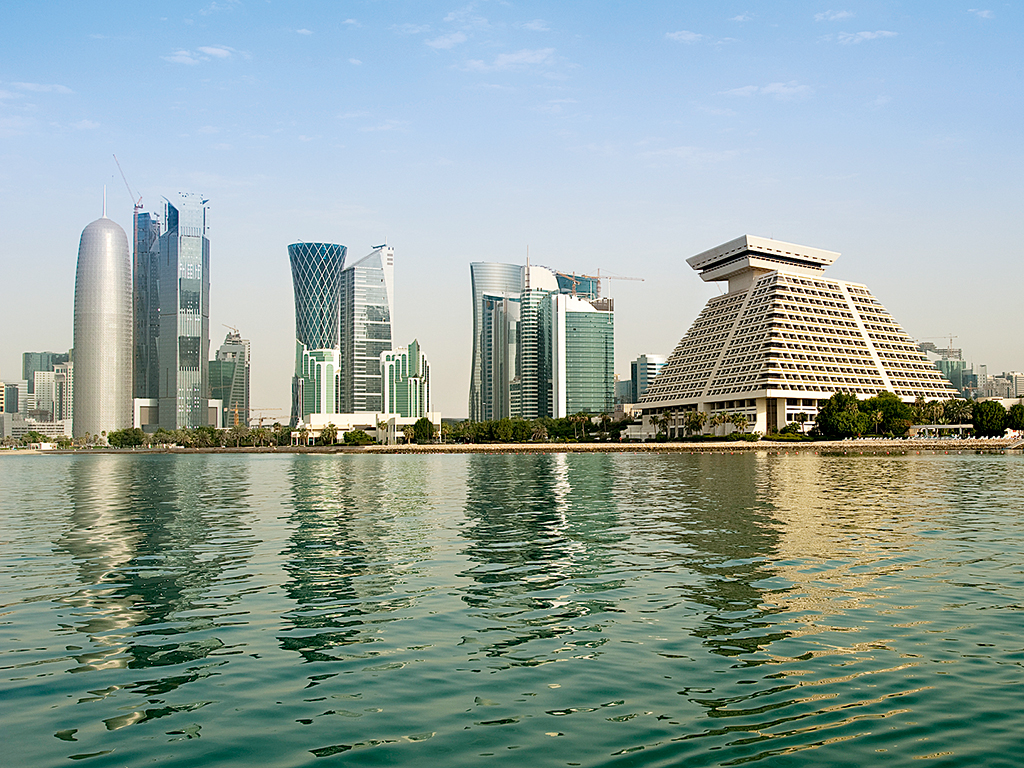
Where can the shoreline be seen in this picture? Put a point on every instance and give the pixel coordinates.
(869, 446)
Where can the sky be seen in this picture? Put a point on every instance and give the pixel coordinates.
(623, 137)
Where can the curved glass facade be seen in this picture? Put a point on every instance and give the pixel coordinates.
(103, 331)
(316, 278)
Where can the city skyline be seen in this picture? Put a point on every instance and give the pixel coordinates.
(625, 141)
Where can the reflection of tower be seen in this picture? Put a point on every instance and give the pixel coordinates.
(367, 306)
(184, 342)
(103, 331)
(316, 279)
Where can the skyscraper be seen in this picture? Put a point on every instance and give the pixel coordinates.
(406, 381)
(518, 369)
(229, 379)
(146, 304)
(316, 280)
(492, 283)
(583, 355)
(367, 306)
(39, 361)
(183, 346)
(103, 331)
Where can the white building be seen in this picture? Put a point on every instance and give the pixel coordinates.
(782, 339)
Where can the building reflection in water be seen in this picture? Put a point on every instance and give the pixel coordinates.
(538, 529)
(361, 531)
(149, 537)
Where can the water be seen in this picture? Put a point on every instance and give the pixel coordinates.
(592, 610)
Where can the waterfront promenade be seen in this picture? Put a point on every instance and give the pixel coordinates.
(867, 445)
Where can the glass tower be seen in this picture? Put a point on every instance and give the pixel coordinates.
(406, 375)
(229, 380)
(316, 279)
(103, 331)
(146, 301)
(367, 306)
(583, 355)
(183, 346)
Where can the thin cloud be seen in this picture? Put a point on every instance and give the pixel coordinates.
(537, 25)
(512, 61)
(85, 125)
(782, 91)
(357, 62)
(851, 38)
(216, 7)
(833, 16)
(411, 29)
(42, 88)
(11, 95)
(684, 36)
(981, 14)
(184, 57)
(742, 17)
(467, 19)
(693, 155)
(217, 51)
(350, 115)
(303, 31)
(387, 125)
(352, 23)
(446, 42)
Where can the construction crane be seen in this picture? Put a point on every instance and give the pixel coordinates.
(573, 278)
(262, 412)
(137, 203)
(949, 353)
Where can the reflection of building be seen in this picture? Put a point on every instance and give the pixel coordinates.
(229, 380)
(405, 381)
(783, 338)
(367, 306)
(541, 348)
(316, 279)
(103, 331)
(183, 346)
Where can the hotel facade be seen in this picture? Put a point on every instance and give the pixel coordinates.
(782, 339)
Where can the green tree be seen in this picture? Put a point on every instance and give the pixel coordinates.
(957, 411)
(694, 421)
(328, 434)
(1015, 417)
(238, 434)
(358, 437)
(34, 437)
(896, 416)
(131, 437)
(989, 419)
(740, 421)
(839, 417)
(423, 429)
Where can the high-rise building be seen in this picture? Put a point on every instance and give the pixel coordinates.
(42, 397)
(583, 355)
(492, 284)
(103, 331)
(183, 345)
(518, 369)
(146, 304)
(642, 372)
(39, 361)
(63, 391)
(406, 381)
(316, 280)
(367, 306)
(229, 380)
(783, 338)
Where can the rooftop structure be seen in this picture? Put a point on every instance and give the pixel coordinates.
(783, 338)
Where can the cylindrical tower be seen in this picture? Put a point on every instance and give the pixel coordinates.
(103, 331)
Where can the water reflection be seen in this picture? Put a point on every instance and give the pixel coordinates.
(537, 529)
(150, 537)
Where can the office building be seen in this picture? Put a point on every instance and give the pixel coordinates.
(367, 306)
(63, 391)
(642, 372)
(783, 338)
(15, 397)
(103, 331)
(146, 304)
(405, 376)
(316, 280)
(41, 401)
(183, 342)
(540, 346)
(229, 380)
(39, 361)
(583, 355)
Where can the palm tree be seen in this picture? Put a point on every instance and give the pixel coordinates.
(878, 417)
(717, 420)
(740, 421)
(694, 421)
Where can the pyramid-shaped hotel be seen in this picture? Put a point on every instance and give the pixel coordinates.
(782, 339)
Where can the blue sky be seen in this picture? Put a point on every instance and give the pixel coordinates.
(623, 137)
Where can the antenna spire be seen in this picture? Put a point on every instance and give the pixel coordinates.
(104, 201)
